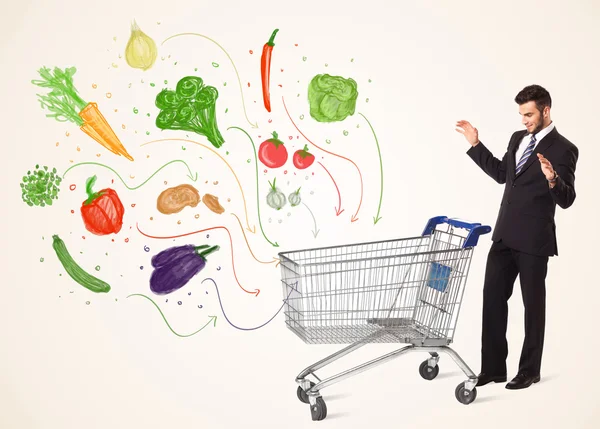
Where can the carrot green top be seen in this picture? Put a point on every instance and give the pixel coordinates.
(63, 100)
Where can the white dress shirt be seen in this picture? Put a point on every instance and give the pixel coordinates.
(527, 138)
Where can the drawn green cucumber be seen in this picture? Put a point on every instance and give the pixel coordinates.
(75, 271)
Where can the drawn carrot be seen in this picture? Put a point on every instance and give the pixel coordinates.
(265, 69)
(66, 105)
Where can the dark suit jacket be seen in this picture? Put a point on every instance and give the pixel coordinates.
(526, 217)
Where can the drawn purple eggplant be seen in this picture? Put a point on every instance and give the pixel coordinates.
(176, 266)
(168, 255)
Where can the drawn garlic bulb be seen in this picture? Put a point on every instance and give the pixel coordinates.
(294, 198)
(275, 198)
(140, 51)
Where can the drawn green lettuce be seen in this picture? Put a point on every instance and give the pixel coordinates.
(332, 98)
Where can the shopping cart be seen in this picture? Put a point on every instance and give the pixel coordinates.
(396, 291)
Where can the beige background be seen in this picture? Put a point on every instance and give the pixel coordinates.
(113, 363)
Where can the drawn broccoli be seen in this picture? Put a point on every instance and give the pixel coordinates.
(332, 98)
(191, 107)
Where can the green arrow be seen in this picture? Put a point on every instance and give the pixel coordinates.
(192, 177)
(213, 319)
(377, 218)
(253, 125)
(257, 194)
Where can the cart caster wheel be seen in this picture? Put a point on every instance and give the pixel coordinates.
(302, 395)
(463, 395)
(319, 410)
(428, 372)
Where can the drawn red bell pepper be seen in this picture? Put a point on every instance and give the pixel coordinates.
(103, 211)
(265, 69)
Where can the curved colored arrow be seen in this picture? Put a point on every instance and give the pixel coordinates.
(213, 319)
(253, 125)
(314, 220)
(354, 218)
(192, 177)
(248, 244)
(237, 327)
(253, 229)
(337, 210)
(255, 292)
(257, 192)
(377, 218)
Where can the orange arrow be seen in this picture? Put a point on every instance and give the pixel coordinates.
(253, 229)
(255, 292)
(258, 260)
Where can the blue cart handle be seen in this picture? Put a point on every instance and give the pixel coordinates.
(475, 229)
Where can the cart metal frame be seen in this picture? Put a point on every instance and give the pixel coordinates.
(406, 290)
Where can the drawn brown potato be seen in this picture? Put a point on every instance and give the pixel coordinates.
(212, 203)
(173, 200)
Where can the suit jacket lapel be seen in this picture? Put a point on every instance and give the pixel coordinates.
(512, 162)
(541, 147)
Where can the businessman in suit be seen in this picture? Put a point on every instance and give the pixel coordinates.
(538, 170)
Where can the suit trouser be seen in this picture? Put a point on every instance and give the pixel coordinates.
(503, 266)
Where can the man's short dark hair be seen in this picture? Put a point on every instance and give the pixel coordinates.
(534, 93)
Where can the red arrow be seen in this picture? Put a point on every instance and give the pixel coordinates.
(338, 211)
(255, 292)
(354, 216)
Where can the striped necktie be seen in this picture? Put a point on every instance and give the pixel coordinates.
(526, 154)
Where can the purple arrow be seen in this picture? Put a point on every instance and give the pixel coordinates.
(237, 327)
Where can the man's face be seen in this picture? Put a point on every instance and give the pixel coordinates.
(531, 117)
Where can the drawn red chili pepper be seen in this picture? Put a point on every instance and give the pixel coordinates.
(265, 69)
(103, 211)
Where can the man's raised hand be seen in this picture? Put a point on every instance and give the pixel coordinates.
(467, 130)
(546, 167)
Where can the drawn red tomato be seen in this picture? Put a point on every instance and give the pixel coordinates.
(302, 159)
(272, 152)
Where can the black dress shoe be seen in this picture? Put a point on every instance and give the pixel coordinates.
(483, 379)
(521, 381)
